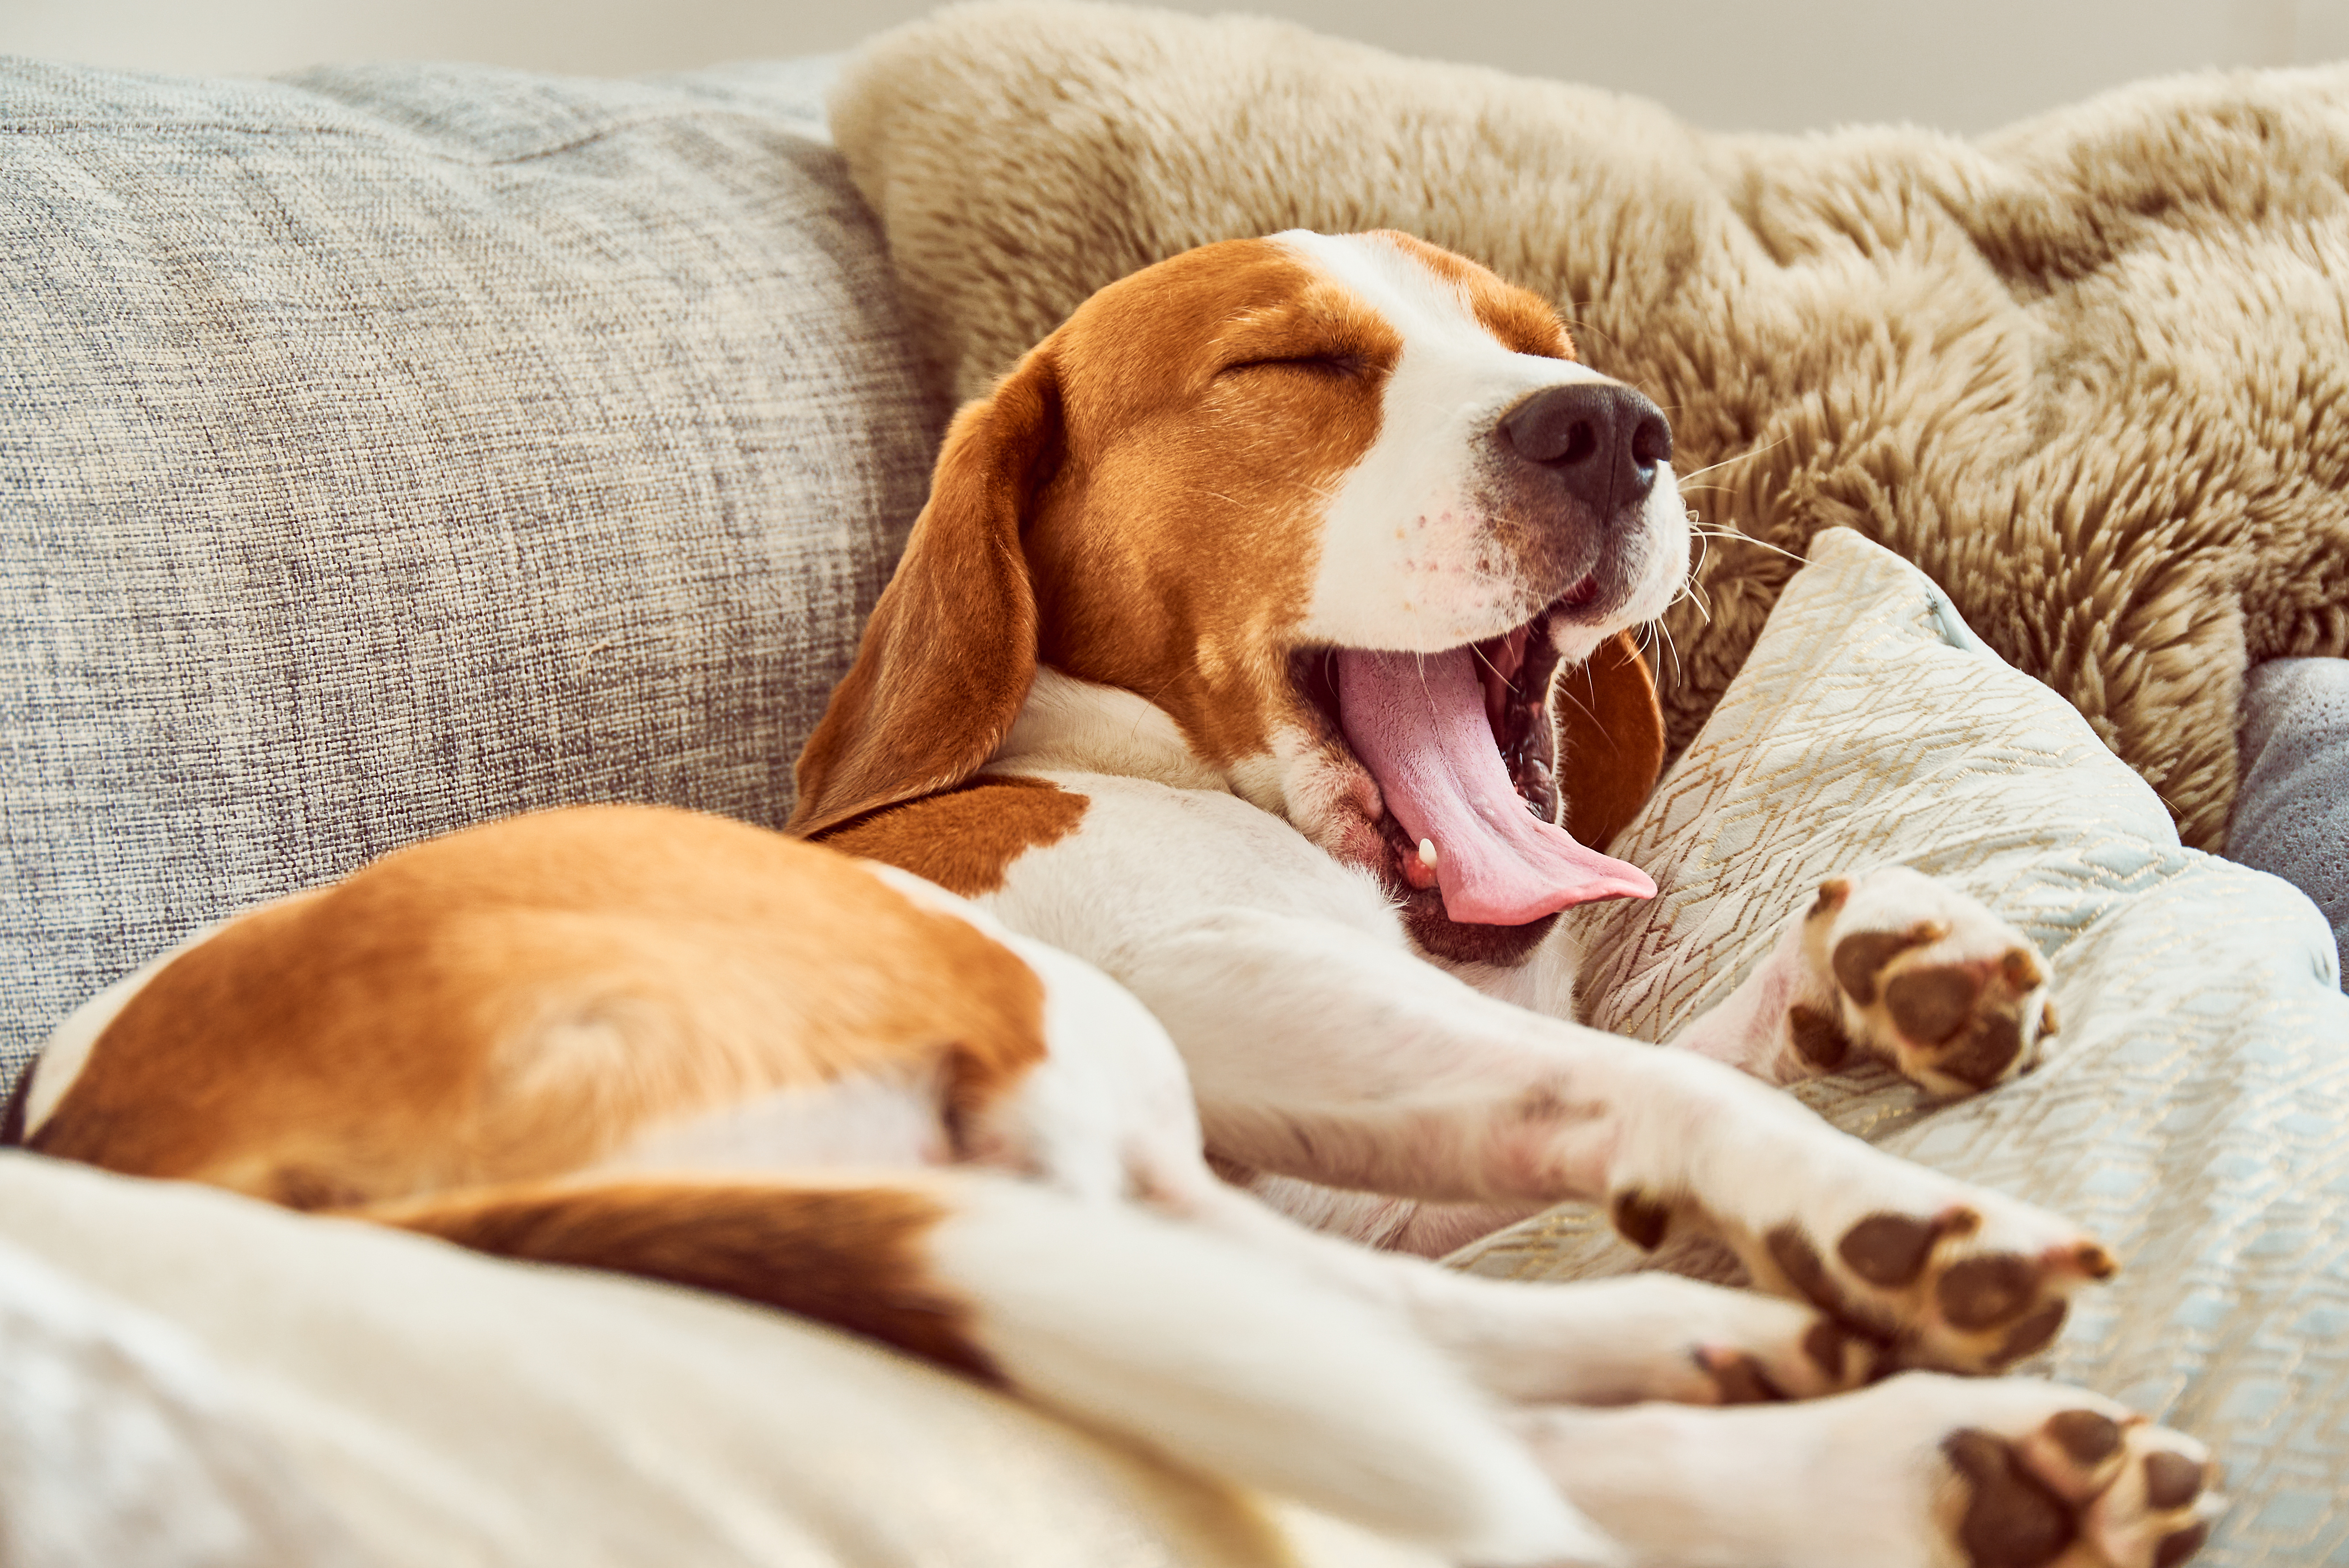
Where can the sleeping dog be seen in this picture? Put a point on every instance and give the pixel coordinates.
(1200, 781)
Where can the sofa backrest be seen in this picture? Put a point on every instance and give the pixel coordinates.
(387, 450)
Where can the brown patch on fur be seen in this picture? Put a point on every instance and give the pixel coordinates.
(517, 1001)
(1611, 741)
(12, 1119)
(965, 838)
(1520, 320)
(1074, 507)
(851, 1256)
(1211, 403)
(1461, 941)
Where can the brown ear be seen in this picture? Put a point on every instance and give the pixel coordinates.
(950, 652)
(1611, 741)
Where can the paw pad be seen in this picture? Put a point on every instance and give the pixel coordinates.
(2140, 1503)
(1741, 1379)
(2171, 1481)
(2088, 1437)
(1980, 1292)
(1954, 1026)
(1818, 1038)
(1891, 1250)
(1908, 969)
(1642, 1218)
(2013, 1519)
(1892, 1281)
(1932, 1004)
(1862, 956)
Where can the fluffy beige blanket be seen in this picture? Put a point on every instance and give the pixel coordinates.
(2089, 372)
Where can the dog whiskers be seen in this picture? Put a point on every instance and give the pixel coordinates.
(1730, 531)
(1725, 462)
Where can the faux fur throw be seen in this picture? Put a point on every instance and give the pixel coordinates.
(2091, 373)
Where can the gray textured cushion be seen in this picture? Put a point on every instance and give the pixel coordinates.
(385, 449)
(2291, 810)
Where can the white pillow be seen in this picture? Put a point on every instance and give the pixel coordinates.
(2195, 1109)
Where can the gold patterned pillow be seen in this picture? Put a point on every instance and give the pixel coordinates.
(2195, 1109)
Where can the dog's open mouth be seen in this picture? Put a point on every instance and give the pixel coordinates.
(1462, 747)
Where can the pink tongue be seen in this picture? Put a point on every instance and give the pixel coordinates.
(1417, 721)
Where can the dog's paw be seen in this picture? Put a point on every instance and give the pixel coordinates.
(1901, 966)
(1921, 1472)
(1944, 1274)
(1757, 1363)
(1659, 1337)
(2034, 1475)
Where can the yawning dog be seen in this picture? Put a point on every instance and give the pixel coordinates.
(1189, 838)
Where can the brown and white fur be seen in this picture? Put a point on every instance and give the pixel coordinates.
(1099, 702)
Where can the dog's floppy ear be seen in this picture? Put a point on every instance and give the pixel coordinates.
(1611, 741)
(950, 652)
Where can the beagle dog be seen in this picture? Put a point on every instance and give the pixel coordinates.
(1170, 912)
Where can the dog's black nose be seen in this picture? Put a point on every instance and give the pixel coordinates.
(1601, 439)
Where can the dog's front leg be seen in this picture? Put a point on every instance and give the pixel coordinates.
(1602, 1342)
(1321, 1048)
(1320, 1053)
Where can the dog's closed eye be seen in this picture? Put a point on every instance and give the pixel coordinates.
(1336, 367)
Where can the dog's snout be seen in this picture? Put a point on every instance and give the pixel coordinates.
(1601, 439)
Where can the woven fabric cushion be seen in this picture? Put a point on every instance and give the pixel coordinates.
(2291, 816)
(387, 450)
(195, 1380)
(2195, 1109)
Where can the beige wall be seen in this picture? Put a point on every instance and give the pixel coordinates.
(1966, 65)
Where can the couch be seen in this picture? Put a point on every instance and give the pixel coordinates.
(383, 449)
